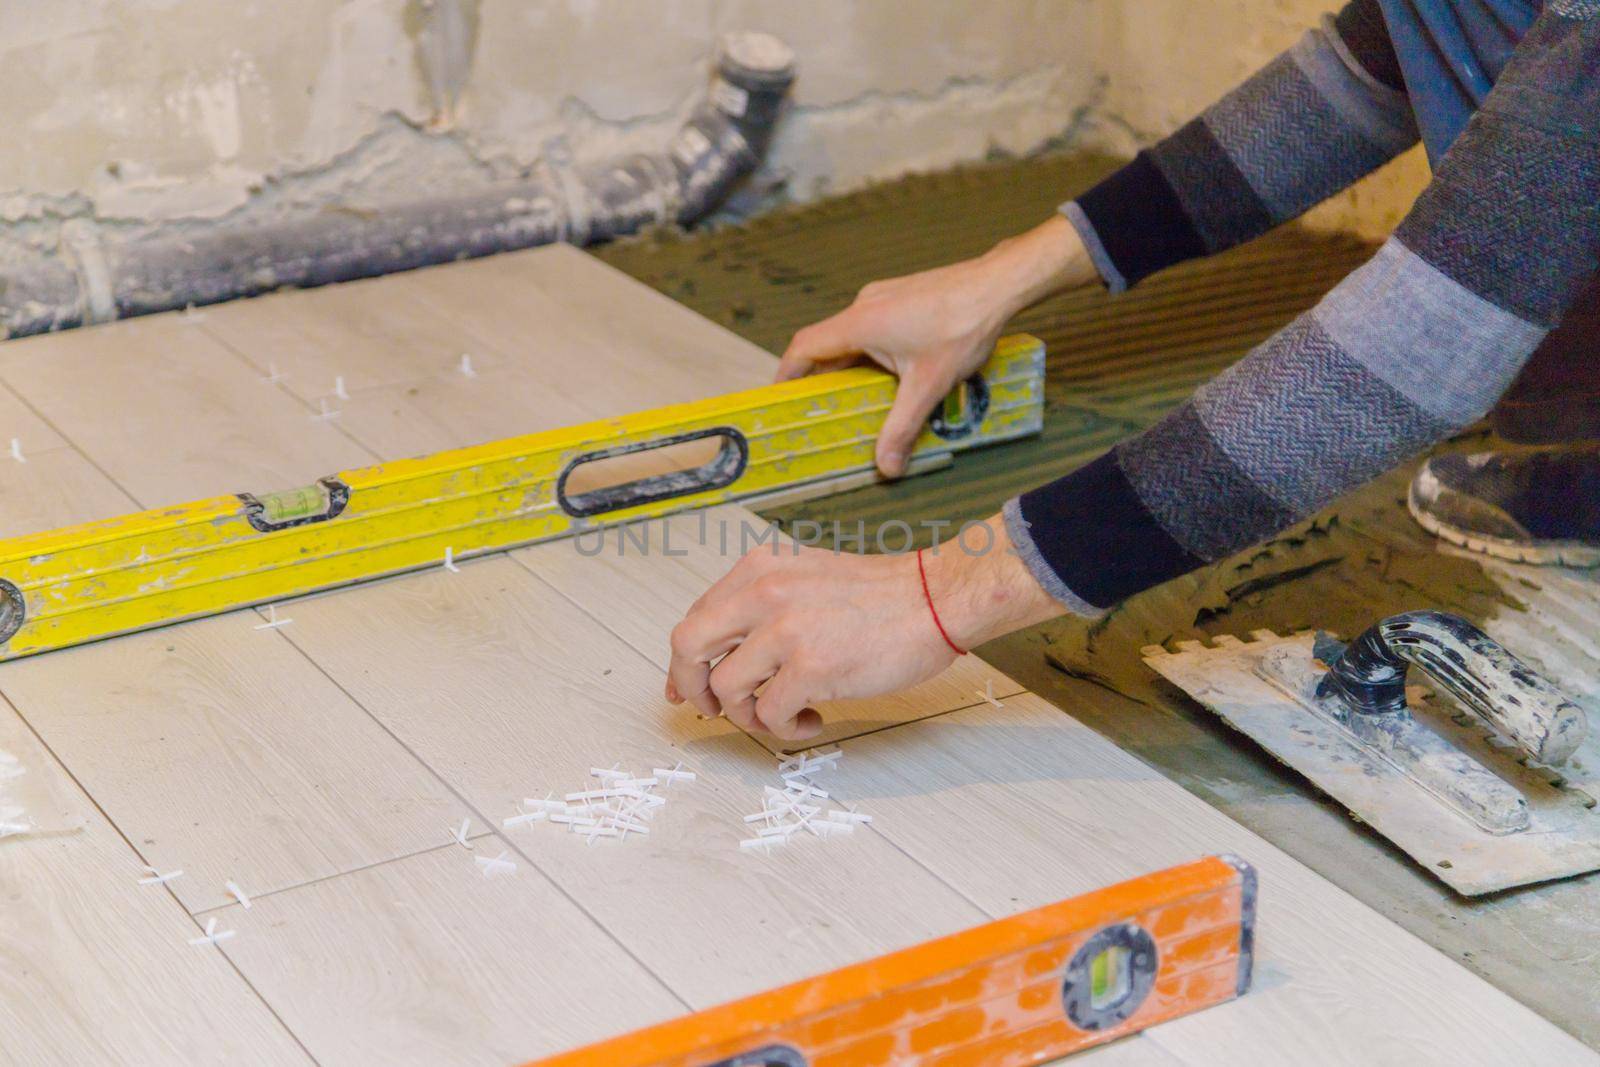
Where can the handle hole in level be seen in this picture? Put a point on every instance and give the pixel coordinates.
(645, 472)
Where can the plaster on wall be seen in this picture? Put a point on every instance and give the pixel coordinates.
(133, 114)
(155, 110)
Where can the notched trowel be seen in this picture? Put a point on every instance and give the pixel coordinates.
(1489, 784)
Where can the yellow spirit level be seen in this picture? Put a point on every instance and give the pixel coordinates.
(64, 587)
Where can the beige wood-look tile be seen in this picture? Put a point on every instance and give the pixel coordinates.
(362, 330)
(54, 488)
(604, 336)
(510, 691)
(98, 969)
(219, 749)
(426, 961)
(172, 415)
(18, 420)
(555, 338)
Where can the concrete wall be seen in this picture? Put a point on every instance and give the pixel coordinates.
(138, 110)
(134, 113)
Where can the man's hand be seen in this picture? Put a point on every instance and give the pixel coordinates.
(792, 626)
(936, 328)
(809, 625)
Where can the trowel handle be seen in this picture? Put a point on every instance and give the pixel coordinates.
(1499, 688)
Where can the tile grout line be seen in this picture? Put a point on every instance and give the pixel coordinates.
(629, 645)
(270, 893)
(171, 894)
(65, 446)
(304, 404)
(70, 443)
(889, 726)
(493, 831)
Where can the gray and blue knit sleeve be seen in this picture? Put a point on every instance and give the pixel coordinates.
(1328, 111)
(1416, 344)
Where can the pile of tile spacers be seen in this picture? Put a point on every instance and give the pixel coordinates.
(623, 804)
(786, 812)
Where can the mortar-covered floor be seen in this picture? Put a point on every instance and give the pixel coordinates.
(1117, 364)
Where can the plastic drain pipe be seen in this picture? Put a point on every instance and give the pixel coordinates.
(723, 141)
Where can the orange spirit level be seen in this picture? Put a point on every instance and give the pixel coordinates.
(1023, 990)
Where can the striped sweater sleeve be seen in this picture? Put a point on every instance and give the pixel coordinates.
(1325, 113)
(1414, 345)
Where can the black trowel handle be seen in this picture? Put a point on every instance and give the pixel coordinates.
(1499, 688)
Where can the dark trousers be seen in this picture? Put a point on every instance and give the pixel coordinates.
(1556, 399)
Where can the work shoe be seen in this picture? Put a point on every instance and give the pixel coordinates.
(1531, 507)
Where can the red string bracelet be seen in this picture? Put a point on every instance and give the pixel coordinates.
(923, 572)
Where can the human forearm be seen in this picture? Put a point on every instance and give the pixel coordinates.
(981, 587)
(1022, 270)
(792, 626)
(1413, 346)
